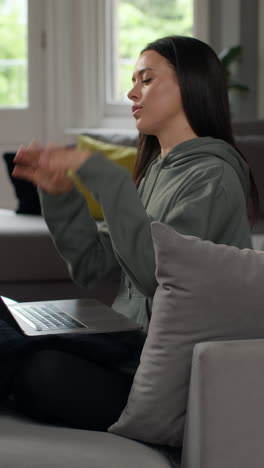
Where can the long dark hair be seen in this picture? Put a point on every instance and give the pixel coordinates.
(202, 81)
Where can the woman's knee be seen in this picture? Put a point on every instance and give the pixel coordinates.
(37, 379)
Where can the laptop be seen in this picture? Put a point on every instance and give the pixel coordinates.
(65, 316)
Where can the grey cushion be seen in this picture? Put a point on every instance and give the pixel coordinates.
(28, 444)
(206, 292)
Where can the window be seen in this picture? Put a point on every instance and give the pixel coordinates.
(13, 54)
(108, 37)
(21, 71)
(134, 23)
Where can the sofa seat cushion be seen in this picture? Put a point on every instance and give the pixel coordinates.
(26, 444)
(27, 250)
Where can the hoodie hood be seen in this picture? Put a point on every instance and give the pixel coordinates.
(191, 150)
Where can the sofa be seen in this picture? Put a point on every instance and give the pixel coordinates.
(225, 412)
(224, 424)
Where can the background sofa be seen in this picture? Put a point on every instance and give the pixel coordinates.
(32, 269)
(249, 137)
(225, 416)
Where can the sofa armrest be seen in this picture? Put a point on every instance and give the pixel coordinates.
(225, 417)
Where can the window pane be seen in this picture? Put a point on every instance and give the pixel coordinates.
(139, 22)
(13, 53)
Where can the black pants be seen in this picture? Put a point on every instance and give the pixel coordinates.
(62, 388)
(67, 379)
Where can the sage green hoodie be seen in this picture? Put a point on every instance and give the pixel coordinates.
(199, 188)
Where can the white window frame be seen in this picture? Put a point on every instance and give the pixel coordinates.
(20, 125)
(92, 70)
(201, 31)
(17, 123)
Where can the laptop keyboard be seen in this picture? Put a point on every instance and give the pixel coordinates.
(46, 317)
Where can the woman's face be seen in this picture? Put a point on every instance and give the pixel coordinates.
(156, 96)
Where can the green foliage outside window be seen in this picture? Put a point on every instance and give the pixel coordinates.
(13, 53)
(142, 21)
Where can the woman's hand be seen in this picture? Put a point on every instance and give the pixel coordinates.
(48, 167)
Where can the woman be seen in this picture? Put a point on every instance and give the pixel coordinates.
(188, 174)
